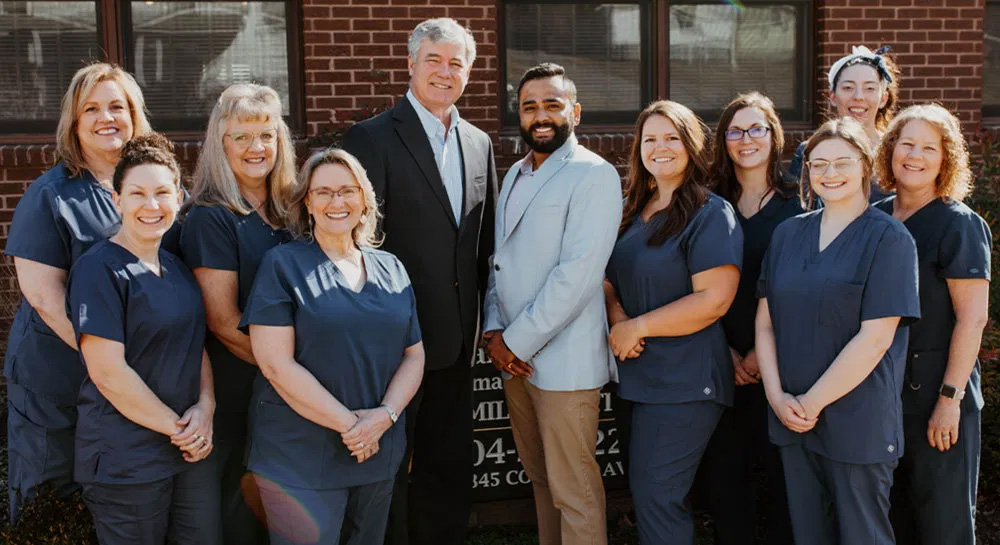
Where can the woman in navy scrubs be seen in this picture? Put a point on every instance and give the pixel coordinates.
(242, 186)
(838, 285)
(924, 159)
(62, 214)
(673, 273)
(865, 86)
(334, 328)
(746, 171)
(145, 408)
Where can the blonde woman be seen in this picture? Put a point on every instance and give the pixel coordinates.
(239, 210)
(333, 323)
(924, 159)
(64, 212)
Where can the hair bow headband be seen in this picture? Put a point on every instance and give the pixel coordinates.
(874, 58)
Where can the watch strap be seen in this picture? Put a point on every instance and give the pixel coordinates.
(392, 413)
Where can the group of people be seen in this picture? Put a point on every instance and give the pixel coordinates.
(280, 359)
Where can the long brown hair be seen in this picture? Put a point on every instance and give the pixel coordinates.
(641, 186)
(722, 173)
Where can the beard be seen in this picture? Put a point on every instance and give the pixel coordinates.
(560, 134)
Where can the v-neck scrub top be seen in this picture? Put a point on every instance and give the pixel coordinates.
(695, 367)
(217, 238)
(161, 322)
(352, 343)
(817, 301)
(952, 242)
(59, 217)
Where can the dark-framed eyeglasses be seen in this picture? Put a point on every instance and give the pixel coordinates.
(755, 132)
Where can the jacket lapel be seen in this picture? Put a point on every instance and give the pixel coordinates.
(548, 170)
(411, 132)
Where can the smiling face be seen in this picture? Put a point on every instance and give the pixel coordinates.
(749, 153)
(104, 121)
(859, 94)
(148, 202)
(249, 155)
(336, 209)
(836, 172)
(917, 157)
(662, 150)
(547, 114)
(438, 74)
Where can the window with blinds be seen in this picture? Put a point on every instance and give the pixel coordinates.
(991, 60)
(42, 44)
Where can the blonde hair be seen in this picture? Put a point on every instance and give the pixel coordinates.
(68, 148)
(851, 131)
(954, 181)
(214, 181)
(301, 223)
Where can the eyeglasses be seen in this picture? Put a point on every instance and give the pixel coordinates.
(755, 132)
(243, 139)
(821, 166)
(323, 196)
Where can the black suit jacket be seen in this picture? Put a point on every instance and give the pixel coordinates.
(447, 261)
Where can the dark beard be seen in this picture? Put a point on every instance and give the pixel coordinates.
(559, 137)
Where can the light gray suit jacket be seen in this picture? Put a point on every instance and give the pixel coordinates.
(545, 287)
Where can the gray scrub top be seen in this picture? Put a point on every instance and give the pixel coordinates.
(59, 217)
(161, 322)
(352, 343)
(695, 367)
(817, 301)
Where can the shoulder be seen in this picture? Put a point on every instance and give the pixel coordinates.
(795, 223)
(963, 218)
(105, 255)
(375, 123)
(790, 205)
(885, 204)
(476, 133)
(715, 207)
(53, 180)
(597, 169)
(888, 227)
(200, 213)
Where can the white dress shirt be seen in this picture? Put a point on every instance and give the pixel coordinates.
(447, 154)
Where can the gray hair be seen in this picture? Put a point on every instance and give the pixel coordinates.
(442, 29)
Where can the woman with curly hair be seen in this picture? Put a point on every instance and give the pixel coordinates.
(923, 158)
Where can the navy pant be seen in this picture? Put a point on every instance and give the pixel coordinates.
(179, 510)
(668, 441)
(348, 516)
(240, 526)
(726, 481)
(40, 442)
(836, 503)
(934, 494)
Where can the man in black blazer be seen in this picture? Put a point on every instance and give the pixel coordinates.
(435, 178)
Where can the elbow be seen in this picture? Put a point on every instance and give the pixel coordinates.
(718, 306)
(881, 341)
(975, 323)
(268, 368)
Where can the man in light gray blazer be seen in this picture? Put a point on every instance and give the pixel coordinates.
(546, 327)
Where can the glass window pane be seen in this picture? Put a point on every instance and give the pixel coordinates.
(185, 53)
(719, 51)
(991, 61)
(42, 44)
(600, 45)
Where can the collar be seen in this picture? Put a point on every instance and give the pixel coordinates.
(563, 151)
(431, 124)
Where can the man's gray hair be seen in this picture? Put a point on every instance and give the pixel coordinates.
(442, 29)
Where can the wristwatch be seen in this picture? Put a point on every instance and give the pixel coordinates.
(951, 392)
(392, 413)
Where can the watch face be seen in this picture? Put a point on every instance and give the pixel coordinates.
(949, 391)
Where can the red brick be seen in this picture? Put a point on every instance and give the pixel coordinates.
(893, 24)
(373, 50)
(370, 24)
(344, 37)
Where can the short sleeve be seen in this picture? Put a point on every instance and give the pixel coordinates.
(208, 239)
(965, 248)
(271, 301)
(413, 335)
(35, 233)
(96, 300)
(716, 239)
(892, 285)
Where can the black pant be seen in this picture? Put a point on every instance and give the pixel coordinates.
(433, 494)
(725, 478)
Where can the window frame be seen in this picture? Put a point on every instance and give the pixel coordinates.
(656, 27)
(989, 112)
(113, 36)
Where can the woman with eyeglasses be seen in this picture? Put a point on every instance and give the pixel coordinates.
(837, 287)
(746, 171)
(924, 159)
(238, 211)
(333, 324)
(864, 86)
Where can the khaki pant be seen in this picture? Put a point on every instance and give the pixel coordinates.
(556, 438)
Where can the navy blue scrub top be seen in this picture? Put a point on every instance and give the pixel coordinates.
(59, 217)
(161, 322)
(817, 302)
(739, 321)
(952, 242)
(351, 342)
(695, 367)
(798, 161)
(215, 237)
